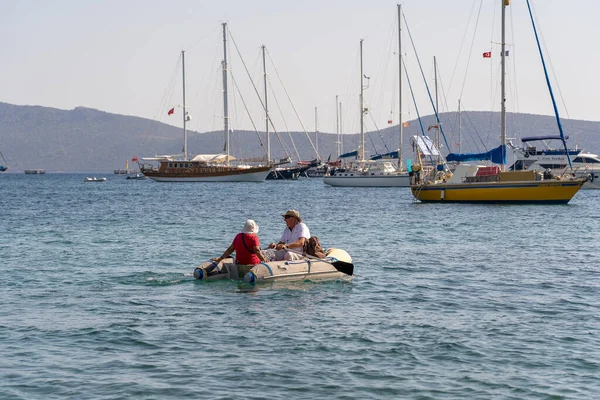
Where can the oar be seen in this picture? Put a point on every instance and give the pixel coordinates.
(342, 266)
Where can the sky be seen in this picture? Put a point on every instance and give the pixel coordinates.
(123, 57)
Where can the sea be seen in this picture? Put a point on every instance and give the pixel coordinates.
(448, 301)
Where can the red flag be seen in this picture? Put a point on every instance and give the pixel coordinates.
(134, 159)
(389, 121)
(171, 111)
(487, 54)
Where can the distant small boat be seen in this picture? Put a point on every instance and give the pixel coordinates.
(4, 166)
(137, 175)
(35, 171)
(122, 171)
(94, 179)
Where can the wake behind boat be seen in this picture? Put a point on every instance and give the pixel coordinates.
(336, 266)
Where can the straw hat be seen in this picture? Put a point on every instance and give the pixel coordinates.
(250, 226)
(292, 213)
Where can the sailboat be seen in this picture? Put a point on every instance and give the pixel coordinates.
(122, 171)
(4, 165)
(493, 184)
(277, 172)
(372, 173)
(204, 167)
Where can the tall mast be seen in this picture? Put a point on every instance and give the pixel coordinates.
(503, 83)
(225, 104)
(337, 126)
(266, 107)
(437, 129)
(362, 108)
(341, 130)
(185, 157)
(317, 131)
(459, 128)
(400, 86)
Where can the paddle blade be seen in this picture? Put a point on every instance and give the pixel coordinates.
(344, 267)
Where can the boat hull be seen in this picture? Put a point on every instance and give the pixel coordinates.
(527, 192)
(306, 269)
(391, 180)
(209, 174)
(286, 173)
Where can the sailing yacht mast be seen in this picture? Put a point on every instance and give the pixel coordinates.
(266, 107)
(400, 86)
(503, 84)
(185, 157)
(225, 104)
(317, 131)
(362, 108)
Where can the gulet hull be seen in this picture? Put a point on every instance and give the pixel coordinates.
(209, 174)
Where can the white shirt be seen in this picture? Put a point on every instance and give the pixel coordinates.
(299, 231)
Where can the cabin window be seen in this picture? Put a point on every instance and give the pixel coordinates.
(170, 165)
(186, 165)
(586, 160)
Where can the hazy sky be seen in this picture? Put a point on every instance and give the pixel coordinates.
(122, 57)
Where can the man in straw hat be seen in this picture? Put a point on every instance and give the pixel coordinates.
(294, 236)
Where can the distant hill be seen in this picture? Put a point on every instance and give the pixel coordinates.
(85, 139)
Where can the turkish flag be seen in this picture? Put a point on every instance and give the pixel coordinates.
(487, 54)
(171, 111)
(134, 159)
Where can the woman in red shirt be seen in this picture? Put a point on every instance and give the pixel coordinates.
(246, 246)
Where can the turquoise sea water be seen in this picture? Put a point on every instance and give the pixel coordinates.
(449, 301)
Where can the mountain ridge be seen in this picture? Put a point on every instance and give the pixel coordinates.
(86, 139)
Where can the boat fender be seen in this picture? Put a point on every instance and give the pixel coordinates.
(591, 177)
(250, 277)
(198, 273)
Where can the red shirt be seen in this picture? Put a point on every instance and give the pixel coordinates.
(242, 254)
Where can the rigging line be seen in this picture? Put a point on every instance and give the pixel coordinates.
(462, 44)
(283, 119)
(412, 93)
(380, 136)
(513, 62)
(247, 111)
(287, 129)
(247, 72)
(437, 117)
(462, 89)
(562, 134)
(167, 94)
(547, 51)
(210, 92)
(292, 104)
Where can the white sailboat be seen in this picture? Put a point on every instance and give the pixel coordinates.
(204, 167)
(372, 173)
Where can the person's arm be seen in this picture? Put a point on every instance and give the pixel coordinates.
(259, 254)
(228, 252)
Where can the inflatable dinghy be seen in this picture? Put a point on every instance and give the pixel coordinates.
(337, 265)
